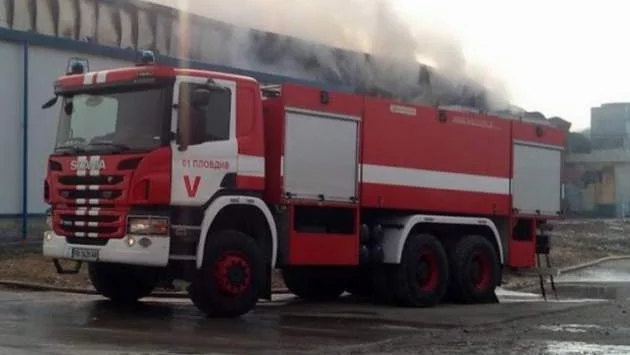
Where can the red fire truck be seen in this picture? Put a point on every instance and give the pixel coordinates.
(163, 173)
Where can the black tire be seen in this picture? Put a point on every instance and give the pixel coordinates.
(475, 271)
(230, 279)
(421, 278)
(315, 284)
(123, 283)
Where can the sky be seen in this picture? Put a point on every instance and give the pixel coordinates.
(557, 57)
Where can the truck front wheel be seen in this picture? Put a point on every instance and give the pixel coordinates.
(230, 279)
(123, 283)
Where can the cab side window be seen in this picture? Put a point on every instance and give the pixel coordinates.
(211, 122)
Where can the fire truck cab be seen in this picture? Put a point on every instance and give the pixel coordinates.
(162, 173)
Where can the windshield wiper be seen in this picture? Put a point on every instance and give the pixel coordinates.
(118, 146)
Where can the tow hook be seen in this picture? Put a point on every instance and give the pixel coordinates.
(69, 271)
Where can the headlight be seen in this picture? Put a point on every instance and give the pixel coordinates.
(148, 225)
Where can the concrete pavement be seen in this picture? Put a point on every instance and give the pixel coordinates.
(51, 322)
(522, 323)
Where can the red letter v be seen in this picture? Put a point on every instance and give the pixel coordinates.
(192, 190)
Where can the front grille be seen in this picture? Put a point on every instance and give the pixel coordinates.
(91, 180)
(91, 223)
(87, 231)
(100, 194)
(91, 204)
(90, 219)
(102, 190)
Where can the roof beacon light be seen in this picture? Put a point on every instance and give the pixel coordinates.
(77, 66)
(146, 58)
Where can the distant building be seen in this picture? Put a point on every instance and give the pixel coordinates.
(598, 182)
(610, 126)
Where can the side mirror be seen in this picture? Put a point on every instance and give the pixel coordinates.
(50, 103)
(68, 108)
(200, 97)
(182, 141)
(182, 137)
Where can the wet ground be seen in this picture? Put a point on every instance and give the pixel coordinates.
(55, 323)
(522, 323)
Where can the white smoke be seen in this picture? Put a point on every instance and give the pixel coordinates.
(369, 26)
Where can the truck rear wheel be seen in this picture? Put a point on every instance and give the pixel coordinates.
(421, 278)
(230, 279)
(317, 284)
(475, 272)
(123, 283)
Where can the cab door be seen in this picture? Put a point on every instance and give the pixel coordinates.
(209, 160)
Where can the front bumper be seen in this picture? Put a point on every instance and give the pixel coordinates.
(145, 250)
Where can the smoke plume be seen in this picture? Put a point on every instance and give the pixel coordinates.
(364, 26)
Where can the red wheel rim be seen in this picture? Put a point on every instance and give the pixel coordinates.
(480, 271)
(232, 273)
(428, 274)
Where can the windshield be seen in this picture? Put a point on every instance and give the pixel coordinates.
(120, 121)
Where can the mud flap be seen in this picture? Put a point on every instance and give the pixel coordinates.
(266, 290)
(494, 298)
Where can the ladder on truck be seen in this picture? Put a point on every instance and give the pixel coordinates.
(542, 250)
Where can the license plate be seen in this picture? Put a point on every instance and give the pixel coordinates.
(85, 254)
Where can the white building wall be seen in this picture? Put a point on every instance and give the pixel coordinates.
(11, 103)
